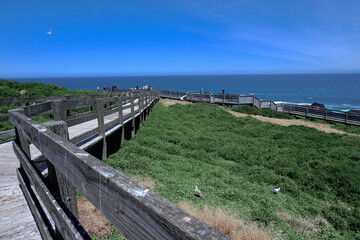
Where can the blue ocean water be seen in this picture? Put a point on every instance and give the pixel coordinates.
(336, 91)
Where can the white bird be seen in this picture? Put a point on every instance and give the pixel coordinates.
(276, 190)
(197, 192)
(49, 32)
(182, 98)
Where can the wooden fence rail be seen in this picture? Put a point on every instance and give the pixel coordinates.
(136, 211)
(47, 105)
(349, 118)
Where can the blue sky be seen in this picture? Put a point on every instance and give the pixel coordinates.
(110, 38)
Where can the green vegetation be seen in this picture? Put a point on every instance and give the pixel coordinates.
(35, 89)
(236, 162)
(262, 112)
(275, 114)
(11, 89)
(115, 235)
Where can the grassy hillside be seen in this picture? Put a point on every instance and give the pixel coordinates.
(35, 89)
(236, 162)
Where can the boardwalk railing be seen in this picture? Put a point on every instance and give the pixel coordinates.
(237, 100)
(325, 114)
(134, 210)
(42, 105)
(219, 98)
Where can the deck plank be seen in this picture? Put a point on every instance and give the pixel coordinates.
(17, 221)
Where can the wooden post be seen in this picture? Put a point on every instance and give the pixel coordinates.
(59, 110)
(25, 104)
(346, 118)
(145, 105)
(253, 101)
(140, 108)
(101, 125)
(67, 98)
(121, 118)
(58, 185)
(238, 100)
(21, 140)
(132, 116)
(307, 111)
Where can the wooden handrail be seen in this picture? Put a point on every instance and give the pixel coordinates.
(137, 212)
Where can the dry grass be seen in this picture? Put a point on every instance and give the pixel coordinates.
(168, 102)
(227, 223)
(91, 219)
(304, 225)
(145, 181)
(288, 122)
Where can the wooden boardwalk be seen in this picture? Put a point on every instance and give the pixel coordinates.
(16, 220)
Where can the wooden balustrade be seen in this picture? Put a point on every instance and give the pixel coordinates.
(137, 212)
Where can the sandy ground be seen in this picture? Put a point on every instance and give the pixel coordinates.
(282, 122)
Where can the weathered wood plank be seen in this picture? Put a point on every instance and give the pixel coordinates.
(14, 211)
(42, 222)
(8, 133)
(80, 118)
(57, 183)
(101, 125)
(137, 212)
(4, 117)
(69, 228)
(37, 109)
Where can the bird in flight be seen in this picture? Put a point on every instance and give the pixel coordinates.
(49, 32)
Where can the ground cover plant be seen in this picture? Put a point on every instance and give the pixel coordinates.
(275, 114)
(236, 162)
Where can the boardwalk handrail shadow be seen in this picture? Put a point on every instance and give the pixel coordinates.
(134, 210)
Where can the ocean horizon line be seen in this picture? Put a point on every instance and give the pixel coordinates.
(180, 74)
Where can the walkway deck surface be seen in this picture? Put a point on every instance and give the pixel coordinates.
(16, 220)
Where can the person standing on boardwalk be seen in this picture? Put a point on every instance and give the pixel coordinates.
(201, 94)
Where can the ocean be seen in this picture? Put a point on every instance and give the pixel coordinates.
(336, 91)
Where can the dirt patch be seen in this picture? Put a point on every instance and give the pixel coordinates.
(168, 102)
(288, 122)
(91, 219)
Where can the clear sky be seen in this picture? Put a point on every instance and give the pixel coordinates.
(139, 37)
